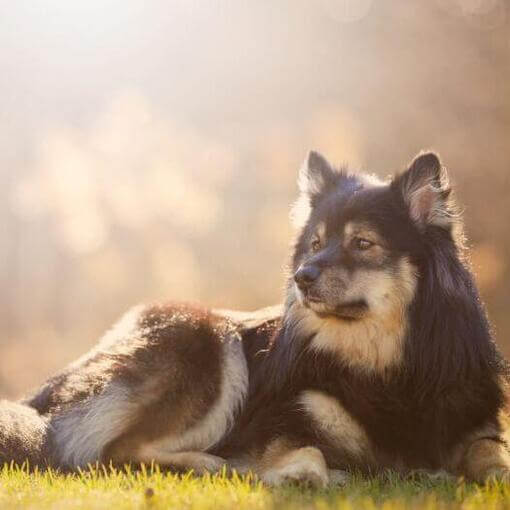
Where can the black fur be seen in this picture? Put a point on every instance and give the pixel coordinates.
(448, 384)
(451, 380)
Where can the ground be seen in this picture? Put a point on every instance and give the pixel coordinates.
(151, 489)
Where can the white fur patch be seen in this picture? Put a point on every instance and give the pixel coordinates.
(310, 181)
(371, 180)
(334, 421)
(220, 417)
(82, 432)
(300, 211)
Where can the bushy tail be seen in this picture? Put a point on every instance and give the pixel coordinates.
(24, 435)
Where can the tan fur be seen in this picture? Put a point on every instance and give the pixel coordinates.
(356, 229)
(360, 229)
(336, 423)
(321, 231)
(486, 458)
(374, 342)
(483, 453)
(281, 463)
(274, 451)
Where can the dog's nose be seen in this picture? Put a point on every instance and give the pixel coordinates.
(306, 275)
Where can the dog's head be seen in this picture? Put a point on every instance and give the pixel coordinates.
(359, 250)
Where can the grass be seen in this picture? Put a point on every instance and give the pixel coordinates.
(152, 489)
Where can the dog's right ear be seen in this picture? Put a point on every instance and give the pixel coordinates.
(315, 174)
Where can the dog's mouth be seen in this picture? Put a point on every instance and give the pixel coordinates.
(350, 310)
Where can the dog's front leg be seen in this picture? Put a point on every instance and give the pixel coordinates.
(284, 462)
(486, 458)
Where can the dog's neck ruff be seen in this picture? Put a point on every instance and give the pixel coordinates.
(371, 344)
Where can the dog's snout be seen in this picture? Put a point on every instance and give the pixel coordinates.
(306, 275)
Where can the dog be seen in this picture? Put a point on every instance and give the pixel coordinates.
(381, 357)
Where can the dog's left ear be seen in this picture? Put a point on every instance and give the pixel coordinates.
(425, 189)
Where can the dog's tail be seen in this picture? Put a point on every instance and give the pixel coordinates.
(24, 436)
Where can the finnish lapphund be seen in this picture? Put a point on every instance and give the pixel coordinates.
(381, 357)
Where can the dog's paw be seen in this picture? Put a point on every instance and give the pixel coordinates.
(206, 463)
(303, 466)
(498, 474)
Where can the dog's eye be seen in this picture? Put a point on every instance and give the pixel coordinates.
(362, 244)
(315, 245)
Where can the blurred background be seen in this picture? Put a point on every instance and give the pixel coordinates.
(149, 149)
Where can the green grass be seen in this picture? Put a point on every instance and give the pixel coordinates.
(151, 489)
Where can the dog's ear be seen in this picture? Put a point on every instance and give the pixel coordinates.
(315, 175)
(425, 189)
(317, 178)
